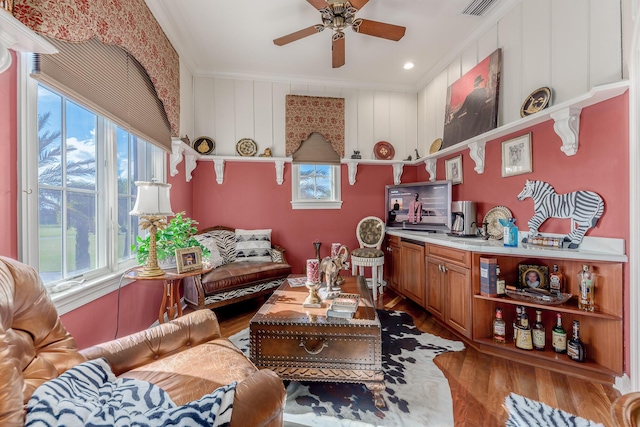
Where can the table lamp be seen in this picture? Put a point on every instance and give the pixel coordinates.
(152, 206)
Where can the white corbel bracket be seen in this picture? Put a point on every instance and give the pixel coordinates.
(6, 42)
(430, 167)
(279, 171)
(189, 165)
(397, 172)
(177, 151)
(567, 126)
(476, 151)
(352, 168)
(218, 166)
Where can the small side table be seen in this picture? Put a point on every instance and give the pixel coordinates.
(171, 296)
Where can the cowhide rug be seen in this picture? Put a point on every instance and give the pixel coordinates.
(525, 412)
(417, 393)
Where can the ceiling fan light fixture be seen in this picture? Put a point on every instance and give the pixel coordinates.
(409, 65)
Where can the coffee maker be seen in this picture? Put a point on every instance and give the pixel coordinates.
(463, 218)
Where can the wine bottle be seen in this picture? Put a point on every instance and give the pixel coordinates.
(499, 328)
(555, 281)
(559, 336)
(575, 347)
(539, 333)
(587, 288)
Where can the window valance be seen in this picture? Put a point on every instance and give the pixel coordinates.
(125, 23)
(308, 114)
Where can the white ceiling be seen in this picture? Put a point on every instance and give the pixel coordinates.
(234, 38)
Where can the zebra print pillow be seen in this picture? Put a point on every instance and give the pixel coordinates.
(225, 241)
(90, 394)
(253, 245)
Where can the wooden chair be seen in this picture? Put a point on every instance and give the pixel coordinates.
(370, 233)
(626, 410)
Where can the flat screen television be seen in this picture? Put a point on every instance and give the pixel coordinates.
(423, 206)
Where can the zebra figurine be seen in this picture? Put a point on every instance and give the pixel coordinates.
(583, 207)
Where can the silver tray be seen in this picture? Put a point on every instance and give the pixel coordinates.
(539, 299)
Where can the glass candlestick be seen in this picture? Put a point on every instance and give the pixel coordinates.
(317, 244)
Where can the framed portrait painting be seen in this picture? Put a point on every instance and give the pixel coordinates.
(472, 101)
(533, 276)
(453, 169)
(516, 156)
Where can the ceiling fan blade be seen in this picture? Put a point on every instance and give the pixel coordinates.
(378, 29)
(358, 4)
(318, 4)
(337, 48)
(309, 31)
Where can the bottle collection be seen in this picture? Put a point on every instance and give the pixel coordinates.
(534, 337)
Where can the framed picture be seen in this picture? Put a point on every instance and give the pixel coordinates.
(472, 102)
(189, 259)
(533, 276)
(453, 167)
(516, 156)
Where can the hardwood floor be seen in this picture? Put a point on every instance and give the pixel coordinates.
(479, 383)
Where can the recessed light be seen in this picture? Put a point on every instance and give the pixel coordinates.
(408, 65)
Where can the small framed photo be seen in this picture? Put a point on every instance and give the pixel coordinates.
(516, 156)
(189, 259)
(453, 168)
(533, 276)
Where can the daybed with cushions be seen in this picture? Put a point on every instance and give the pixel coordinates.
(186, 357)
(246, 265)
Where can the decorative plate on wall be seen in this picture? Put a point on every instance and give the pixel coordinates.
(246, 147)
(538, 100)
(435, 146)
(383, 150)
(494, 229)
(204, 145)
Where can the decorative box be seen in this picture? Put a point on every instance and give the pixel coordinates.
(488, 277)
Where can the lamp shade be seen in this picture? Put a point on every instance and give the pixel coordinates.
(153, 199)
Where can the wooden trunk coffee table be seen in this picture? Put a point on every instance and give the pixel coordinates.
(303, 344)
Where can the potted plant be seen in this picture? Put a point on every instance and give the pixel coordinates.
(177, 234)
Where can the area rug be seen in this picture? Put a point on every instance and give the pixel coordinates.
(525, 412)
(417, 393)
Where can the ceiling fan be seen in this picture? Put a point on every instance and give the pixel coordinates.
(338, 15)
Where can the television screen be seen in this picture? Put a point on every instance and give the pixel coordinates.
(419, 206)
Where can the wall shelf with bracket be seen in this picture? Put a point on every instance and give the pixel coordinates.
(16, 36)
(182, 151)
(566, 117)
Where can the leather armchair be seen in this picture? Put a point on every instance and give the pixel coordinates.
(187, 357)
(626, 410)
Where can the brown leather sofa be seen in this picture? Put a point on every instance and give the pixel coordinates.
(186, 357)
(234, 281)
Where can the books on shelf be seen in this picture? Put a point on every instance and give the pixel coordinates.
(344, 305)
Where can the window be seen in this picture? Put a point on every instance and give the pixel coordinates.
(315, 186)
(78, 230)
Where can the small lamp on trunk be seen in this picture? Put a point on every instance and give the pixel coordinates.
(152, 206)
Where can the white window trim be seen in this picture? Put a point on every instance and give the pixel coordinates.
(100, 282)
(297, 203)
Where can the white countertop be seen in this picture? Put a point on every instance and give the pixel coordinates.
(591, 248)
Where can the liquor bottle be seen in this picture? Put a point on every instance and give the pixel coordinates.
(555, 281)
(500, 283)
(516, 323)
(587, 289)
(575, 347)
(499, 328)
(524, 340)
(559, 336)
(539, 333)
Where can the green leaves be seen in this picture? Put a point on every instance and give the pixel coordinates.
(178, 234)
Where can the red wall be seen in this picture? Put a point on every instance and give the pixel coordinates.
(8, 162)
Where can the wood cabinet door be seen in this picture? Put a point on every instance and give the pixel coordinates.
(395, 268)
(412, 279)
(435, 288)
(457, 285)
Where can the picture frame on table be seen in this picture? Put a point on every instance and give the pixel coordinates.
(533, 276)
(189, 259)
(453, 168)
(516, 156)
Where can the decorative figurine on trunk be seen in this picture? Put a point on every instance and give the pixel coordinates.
(330, 270)
(583, 207)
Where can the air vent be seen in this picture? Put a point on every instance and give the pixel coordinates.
(478, 7)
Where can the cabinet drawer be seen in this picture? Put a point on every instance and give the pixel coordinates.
(455, 256)
(317, 350)
(393, 240)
